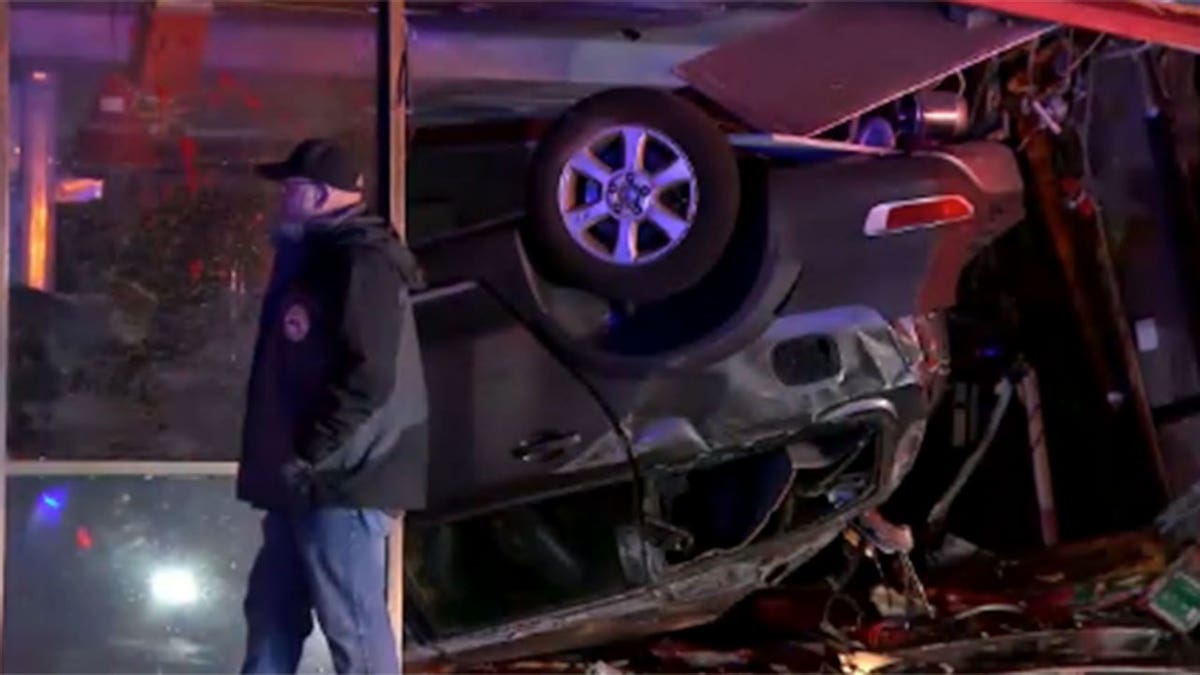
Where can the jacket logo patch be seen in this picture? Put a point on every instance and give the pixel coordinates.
(296, 323)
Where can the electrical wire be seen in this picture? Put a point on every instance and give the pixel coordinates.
(1084, 130)
(1063, 88)
(1074, 65)
(606, 410)
(1030, 62)
(610, 415)
(1135, 50)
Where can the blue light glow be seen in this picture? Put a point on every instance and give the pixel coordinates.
(49, 506)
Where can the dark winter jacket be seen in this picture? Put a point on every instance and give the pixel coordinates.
(336, 405)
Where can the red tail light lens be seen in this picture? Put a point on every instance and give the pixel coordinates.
(895, 217)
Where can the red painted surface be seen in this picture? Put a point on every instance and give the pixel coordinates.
(231, 88)
(172, 50)
(187, 155)
(1152, 22)
(116, 135)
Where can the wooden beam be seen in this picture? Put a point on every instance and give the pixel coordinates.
(5, 157)
(393, 49)
(1081, 246)
(397, 123)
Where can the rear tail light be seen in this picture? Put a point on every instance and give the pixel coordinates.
(915, 214)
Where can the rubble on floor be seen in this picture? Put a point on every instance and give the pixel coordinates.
(1126, 600)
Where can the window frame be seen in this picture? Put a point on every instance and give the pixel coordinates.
(391, 129)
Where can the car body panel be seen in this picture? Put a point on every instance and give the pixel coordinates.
(677, 418)
(685, 595)
(822, 277)
(491, 384)
(823, 208)
(814, 341)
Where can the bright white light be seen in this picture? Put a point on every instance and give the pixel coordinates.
(174, 587)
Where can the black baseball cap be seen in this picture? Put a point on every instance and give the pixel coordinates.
(318, 160)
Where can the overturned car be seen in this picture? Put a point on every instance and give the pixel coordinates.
(705, 349)
(614, 459)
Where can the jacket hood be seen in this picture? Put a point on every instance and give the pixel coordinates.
(377, 233)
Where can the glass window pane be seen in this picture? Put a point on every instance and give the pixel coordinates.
(139, 234)
(128, 575)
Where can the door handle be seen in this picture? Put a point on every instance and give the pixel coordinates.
(546, 446)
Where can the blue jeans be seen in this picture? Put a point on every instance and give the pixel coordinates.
(331, 560)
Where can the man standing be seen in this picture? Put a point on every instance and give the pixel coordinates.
(334, 440)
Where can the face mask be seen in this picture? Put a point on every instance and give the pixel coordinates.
(301, 200)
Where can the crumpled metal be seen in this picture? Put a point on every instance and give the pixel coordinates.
(740, 402)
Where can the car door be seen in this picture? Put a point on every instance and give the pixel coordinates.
(505, 413)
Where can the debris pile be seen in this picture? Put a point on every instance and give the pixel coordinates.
(1127, 600)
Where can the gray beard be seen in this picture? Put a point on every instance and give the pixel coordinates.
(292, 230)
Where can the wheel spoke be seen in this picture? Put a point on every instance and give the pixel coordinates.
(582, 219)
(672, 225)
(634, 139)
(586, 163)
(625, 251)
(678, 172)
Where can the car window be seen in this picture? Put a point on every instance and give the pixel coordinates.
(517, 562)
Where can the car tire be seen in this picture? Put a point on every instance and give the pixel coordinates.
(648, 223)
